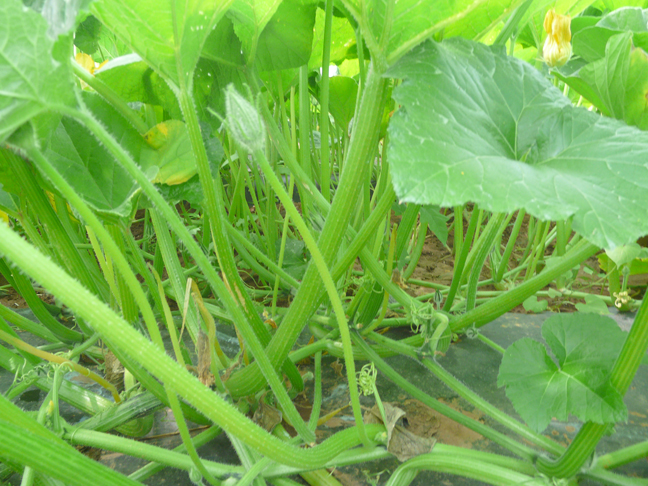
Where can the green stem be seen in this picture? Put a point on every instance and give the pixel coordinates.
(111, 97)
(24, 287)
(611, 479)
(416, 253)
(325, 177)
(490, 234)
(56, 460)
(149, 452)
(461, 260)
(510, 245)
(108, 243)
(392, 375)
(329, 284)
(121, 336)
(153, 467)
(186, 437)
(500, 305)
(458, 230)
(306, 301)
(538, 248)
(223, 291)
(178, 281)
(304, 130)
(252, 326)
(284, 278)
(492, 344)
(482, 466)
(623, 456)
(35, 196)
(25, 324)
(317, 392)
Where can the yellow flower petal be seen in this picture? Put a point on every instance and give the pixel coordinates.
(557, 47)
(85, 62)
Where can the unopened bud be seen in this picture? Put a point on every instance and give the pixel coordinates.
(244, 121)
(557, 47)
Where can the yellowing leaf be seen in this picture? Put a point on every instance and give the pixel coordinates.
(52, 201)
(172, 153)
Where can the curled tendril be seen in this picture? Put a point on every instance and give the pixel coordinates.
(367, 283)
(422, 318)
(367, 379)
(66, 366)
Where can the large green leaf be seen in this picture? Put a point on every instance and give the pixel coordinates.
(86, 37)
(343, 92)
(477, 125)
(250, 18)
(342, 38)
(482, 19)
(616, 84)
(586, 346)
(590, 43)
(416, 20)
(87, 165)
(168, 35)
(133, 80)
(608, 76)
(31, 81)
(287, 39)
(222, 45)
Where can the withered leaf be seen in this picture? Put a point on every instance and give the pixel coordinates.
(405, 445)
(113, 370)
(392, 414)
(267, 416)
(204, 360)
(400, 442)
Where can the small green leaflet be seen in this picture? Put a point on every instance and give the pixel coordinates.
(586, 346)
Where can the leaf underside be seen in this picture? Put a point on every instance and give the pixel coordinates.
(478, 126)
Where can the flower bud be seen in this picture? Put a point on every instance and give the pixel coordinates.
(557, 47)
(243, 120)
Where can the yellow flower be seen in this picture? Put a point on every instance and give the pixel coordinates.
(557, 47)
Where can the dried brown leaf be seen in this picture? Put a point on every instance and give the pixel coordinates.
(401, 442)
(267, 416)
(204, 360)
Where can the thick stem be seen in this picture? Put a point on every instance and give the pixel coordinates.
(478, 465)
(213, 193)
(331, 290)
(121, 335)
(307, 299)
